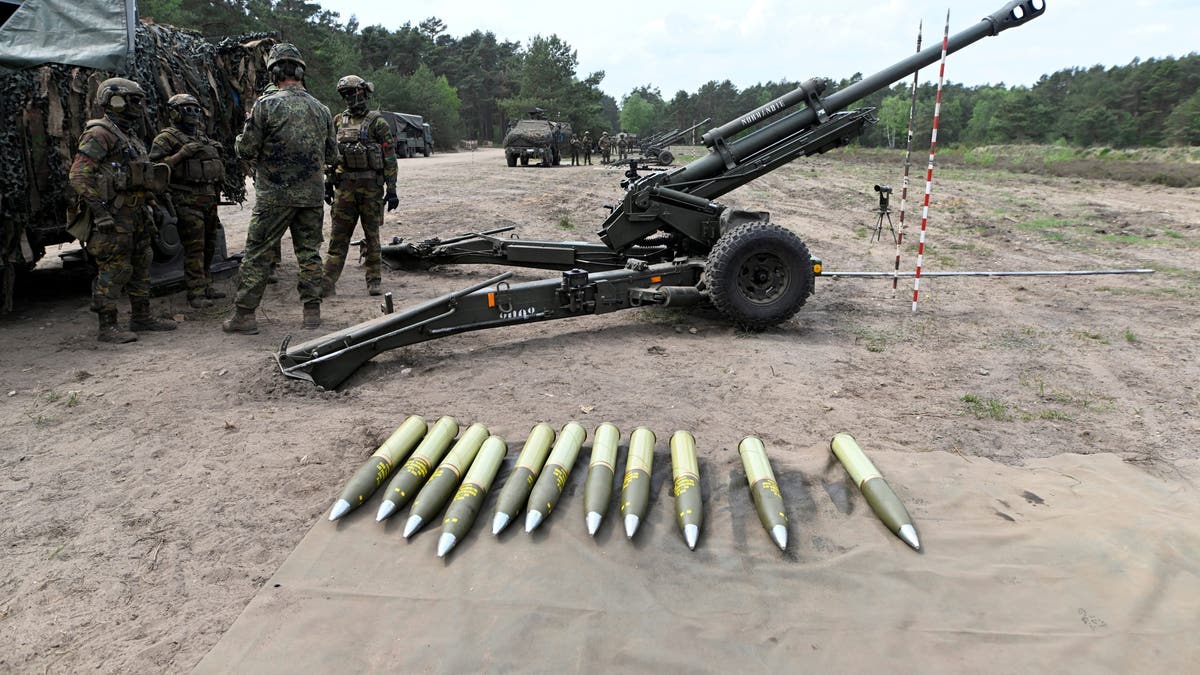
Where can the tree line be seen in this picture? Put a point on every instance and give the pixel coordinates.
(473, 86)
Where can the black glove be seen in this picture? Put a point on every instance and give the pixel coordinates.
(329, 193)
(392, 200)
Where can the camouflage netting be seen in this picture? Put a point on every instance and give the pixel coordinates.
(529, 132)
(43, 110)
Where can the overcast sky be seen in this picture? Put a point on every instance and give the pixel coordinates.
(677, 45)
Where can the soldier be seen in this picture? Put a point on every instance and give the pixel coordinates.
(289, 139)
(197, 172)
(605, 147)
(587, 147)
(621, 146)
(575, 150)
(366, 163)
(113, 177)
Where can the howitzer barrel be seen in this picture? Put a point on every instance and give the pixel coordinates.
(1010, 15)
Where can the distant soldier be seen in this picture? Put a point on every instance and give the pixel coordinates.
(587, 147)
(605, 147)
(289, 139)
(575, 143)
(112, 175)
(197, 172)
(622, 147)
(355, 185)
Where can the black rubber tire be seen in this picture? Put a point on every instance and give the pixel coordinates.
(759, 275)
(665, 158)
(524, 160)
(426, 151)
(512, 159)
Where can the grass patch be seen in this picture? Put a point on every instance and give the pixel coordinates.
(1130, 337)
(1089, 335)
(564, 223)
(987, 408)
(874, 340)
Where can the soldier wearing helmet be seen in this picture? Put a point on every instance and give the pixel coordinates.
(289, 139)
(356, 184)
(115, 182)
(605, 143)
(197, 172)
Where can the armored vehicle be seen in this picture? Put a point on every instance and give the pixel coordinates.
(539, 140)
(49, 71)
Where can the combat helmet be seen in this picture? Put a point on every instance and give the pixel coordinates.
(117, 94)
(178, 108)
(284, 51)
(355, 91)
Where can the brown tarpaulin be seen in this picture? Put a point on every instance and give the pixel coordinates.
(1070, 564)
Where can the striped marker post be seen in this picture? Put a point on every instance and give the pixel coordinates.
(912, 111)
(937, 110)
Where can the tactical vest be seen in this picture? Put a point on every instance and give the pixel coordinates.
(359, 152)
(202, 169)
(126, 173)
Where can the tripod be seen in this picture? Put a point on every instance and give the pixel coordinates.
(884, 211)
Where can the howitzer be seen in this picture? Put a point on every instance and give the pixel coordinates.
(668, 243)
(657, 147)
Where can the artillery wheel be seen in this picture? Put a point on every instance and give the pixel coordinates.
(512, 159)
(665, 157)
(759, 275)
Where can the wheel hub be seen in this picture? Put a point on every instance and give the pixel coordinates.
(763, 277)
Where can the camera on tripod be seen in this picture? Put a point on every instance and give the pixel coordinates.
(883, 188)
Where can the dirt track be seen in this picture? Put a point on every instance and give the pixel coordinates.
(152, 488)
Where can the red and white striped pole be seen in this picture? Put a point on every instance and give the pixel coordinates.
(937, 111)
(912, 111)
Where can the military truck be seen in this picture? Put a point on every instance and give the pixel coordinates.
(541, 140)
(412, 134)
(49, 72)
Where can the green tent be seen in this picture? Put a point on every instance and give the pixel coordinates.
(97, 34)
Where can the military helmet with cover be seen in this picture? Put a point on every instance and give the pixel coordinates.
(355, 91)
(284, 51)
(117, 94)
(184, 107)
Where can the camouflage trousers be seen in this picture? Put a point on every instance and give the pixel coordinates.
(574, 156)
(122, 258)
(349, 206)
(198, 225)
(267, 225)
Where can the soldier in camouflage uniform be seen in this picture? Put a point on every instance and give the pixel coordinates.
(289, 139)
(366, 164)
(575, 150)
(605, 147)
(587, 147)
(621, 147)
(196, 175)
(112, 175)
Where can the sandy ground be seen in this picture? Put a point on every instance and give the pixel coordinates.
(151, 488)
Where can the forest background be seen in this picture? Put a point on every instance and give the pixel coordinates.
(471, 87)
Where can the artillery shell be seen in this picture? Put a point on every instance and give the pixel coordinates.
(411, 476)
(763, 488)
(635, 487)
(467, 502)
(445, 479)
(516, 489)
(877, 492)
(685, 472)
(597, 488)
(550, 483)
(371, 475)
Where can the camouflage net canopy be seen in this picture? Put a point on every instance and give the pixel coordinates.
(530, 132)
(43, 111)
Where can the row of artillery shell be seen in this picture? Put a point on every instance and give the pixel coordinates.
(434, 473)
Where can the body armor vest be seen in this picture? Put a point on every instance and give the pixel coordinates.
(127, 169)
(358, 151)
(204, 167)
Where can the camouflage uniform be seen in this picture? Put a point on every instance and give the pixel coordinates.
(621, 147)
(104, 174)
(587, 148)
(289, 139)
(366, 164)
(196, 175)
(575, 150)
(605, 148)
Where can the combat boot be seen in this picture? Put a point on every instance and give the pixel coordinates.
(242, 321)
(312, 314)
(200, 302)
(110, 332)
(373, 288)
(140, 320)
